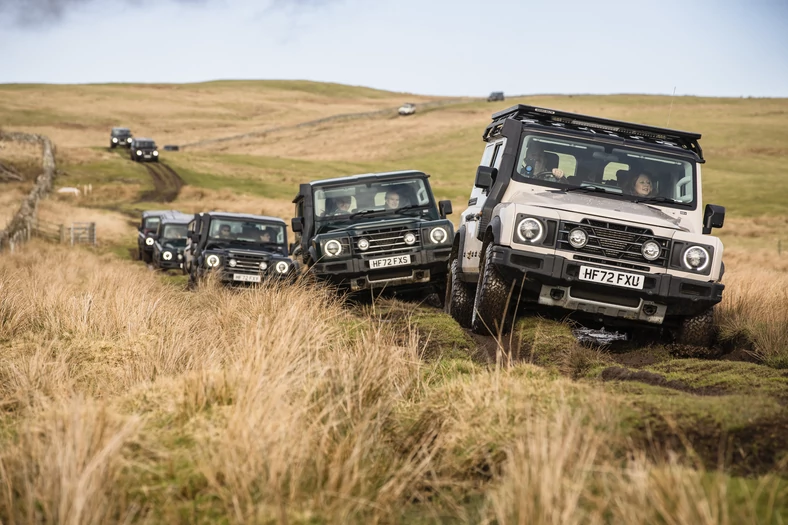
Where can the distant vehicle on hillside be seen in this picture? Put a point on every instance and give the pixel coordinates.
(169, 240)
(407, 109)
(144, 149)
(149, 225)
(495, 96)
(120, 137)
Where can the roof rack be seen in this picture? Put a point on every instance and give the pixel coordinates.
(639, 132)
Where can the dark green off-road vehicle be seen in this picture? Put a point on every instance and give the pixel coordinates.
(374, 232)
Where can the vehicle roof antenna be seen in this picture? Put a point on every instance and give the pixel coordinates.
(671, 106)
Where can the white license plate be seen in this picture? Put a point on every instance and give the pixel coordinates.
(146, 156)
(385, 262)
(246, 278)
(612, 277)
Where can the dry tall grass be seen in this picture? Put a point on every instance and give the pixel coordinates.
(124, 398)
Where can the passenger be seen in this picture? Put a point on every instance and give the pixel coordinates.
(392, 200)
(642, 185)
(342, 205)
(265, 235)
(535, 165)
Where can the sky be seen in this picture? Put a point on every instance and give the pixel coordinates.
(430, 47)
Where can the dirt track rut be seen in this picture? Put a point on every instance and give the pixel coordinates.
(166, 183)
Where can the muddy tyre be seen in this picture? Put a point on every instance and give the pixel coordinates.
(147, 257)
(459, 296)
(696, 331)
(491, 314)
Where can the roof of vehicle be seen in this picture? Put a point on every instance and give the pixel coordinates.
(157, 213)
(121, 129)
(249, 216)
(176, 217)
(388, 175)
(142, 139)
(629, 131)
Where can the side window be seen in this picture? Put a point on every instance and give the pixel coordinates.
(487, 156)
(611, 175)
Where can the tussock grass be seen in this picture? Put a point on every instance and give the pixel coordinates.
(124, 398)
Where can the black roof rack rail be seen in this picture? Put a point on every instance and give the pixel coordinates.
(683, 139)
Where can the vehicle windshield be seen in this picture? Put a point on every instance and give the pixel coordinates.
(120, 131)
(151, 223)
(248, 233)
(608, 170)
(146, 144)
(406, 196)
(173, 232)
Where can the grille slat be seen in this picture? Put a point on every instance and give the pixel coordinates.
(247, 263)
(614, 241)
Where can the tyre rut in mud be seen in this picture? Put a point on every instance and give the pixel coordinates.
(167, 183)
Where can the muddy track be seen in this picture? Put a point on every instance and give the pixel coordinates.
(166, 183)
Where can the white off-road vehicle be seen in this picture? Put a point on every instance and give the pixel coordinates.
(599, 218)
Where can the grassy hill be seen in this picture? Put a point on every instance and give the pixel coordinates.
(124, 397)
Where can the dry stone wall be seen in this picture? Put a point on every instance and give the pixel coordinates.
(20, 228)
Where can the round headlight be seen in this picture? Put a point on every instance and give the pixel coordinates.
(651, 250)
(282, 267)
(212, 260)
(578, 238)
(114, 139)
(155, 153)
(438, 235)
(167, 256)
(128, 139)
(263, 266)
(333, 248)
(139, 152)
(180, 256)
(149, 241)
(530, 230)
(410, 238)
(363, 244)
(696, 258)
(232, 263)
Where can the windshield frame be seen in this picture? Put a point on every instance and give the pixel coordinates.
(431, 206)
(244, 243)
(609, 144)
(163, 227)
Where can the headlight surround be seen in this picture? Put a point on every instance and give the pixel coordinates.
(439, 235)
(332, 247)
(282, 267)
(578, 238)
(232, 263)
(651, 250)
(212, 261)
(139, 152)
(363, 244)
(167, 256)
(696, 258)
(530, 230)
(410, 239)
(149, 241)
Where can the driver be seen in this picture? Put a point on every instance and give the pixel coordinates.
(265, 235)
(224, 232)
(535, 165)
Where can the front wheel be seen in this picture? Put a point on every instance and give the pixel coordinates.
(698, 330)
(491, 314)
(459, 295)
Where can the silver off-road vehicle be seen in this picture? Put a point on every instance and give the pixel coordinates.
(595, 217)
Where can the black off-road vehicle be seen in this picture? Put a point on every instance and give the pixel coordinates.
(142, 150)
(239, 248)
(146, 231)
(374, 231)
(120, 137)
(495, 96)
(170, 240)
(590, 216)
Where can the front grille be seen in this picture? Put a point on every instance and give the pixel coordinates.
(387, 240)
(246, 263)
(619, 242)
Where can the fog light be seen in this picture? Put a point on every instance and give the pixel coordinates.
(263, 266)
(556, 294)
(649, 309)
(410, 238)
(363, 244)
(578, 238)
(232, 263)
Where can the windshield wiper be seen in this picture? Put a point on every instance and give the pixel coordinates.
(660, 199)
(364, 212)
(410, 207)
(586, 188)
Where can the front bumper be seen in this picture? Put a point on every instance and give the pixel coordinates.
(553, 280)
(426, 267)
(170, 265)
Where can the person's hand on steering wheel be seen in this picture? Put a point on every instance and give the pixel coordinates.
(554, 175)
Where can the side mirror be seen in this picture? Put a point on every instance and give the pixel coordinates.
(445, 208)
(485, 176)
(713, 217)
(297, 224)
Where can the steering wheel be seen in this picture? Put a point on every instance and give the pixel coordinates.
(546, 175)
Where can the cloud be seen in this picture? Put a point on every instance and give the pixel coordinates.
(38, 13)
